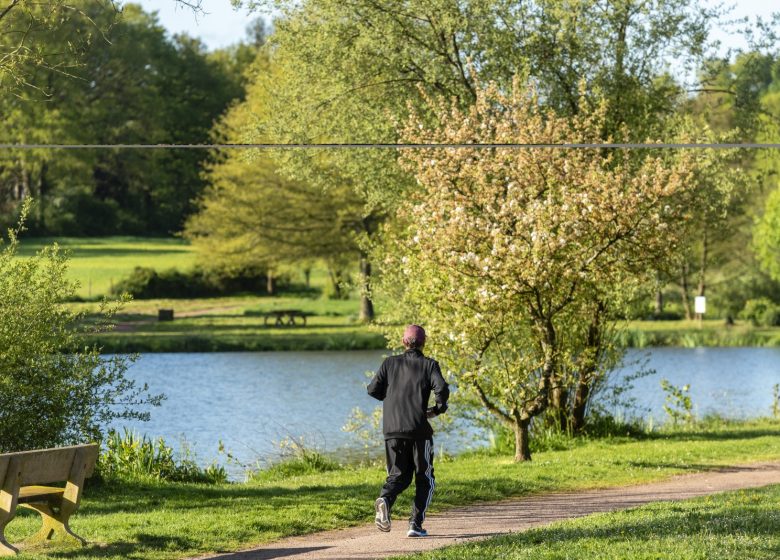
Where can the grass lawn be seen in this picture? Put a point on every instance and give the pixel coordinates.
(742, 525)
(99, 263)
(236, 323)
(220, 323)
(233, 323)
(167, 520)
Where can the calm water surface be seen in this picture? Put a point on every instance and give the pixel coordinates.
(249, 401)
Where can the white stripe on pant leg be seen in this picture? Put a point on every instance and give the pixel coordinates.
(429, 458)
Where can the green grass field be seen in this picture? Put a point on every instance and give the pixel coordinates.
(99, 263)
(743, 525)
(176, 520)
(236, 323)
(221, 324)
(233, 323)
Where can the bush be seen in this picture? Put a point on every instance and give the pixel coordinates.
(297, 459)
(129, 456)
(761, 312)
(53, 389)
(771, 316)
(147, 283)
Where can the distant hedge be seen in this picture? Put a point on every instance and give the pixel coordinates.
(147, 283)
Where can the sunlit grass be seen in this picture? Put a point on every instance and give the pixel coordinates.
(101, 262)
(741, 525)
(167, 521)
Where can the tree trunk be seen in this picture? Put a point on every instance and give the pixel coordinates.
(307, 276)
(366, 305)
(588, 368)
(686, 300)
(43, 191)
(522, 441)
(335, 282)
(23, 186)
(270, 285)
(559, 403)
(580, 405)
(703, 264)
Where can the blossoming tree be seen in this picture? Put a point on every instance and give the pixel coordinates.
(508, 255)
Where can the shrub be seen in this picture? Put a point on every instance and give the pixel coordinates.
(761, 312)
(679, 406)
(771, 316)
(53, 389)
(147, 283)
(129, 456)
(296, 459)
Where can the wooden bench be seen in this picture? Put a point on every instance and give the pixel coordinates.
(23, 477)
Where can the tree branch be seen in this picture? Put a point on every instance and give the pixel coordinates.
(8, 8)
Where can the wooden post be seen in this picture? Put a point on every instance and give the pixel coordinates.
(11, 475)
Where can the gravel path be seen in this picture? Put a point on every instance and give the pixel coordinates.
(482, 521)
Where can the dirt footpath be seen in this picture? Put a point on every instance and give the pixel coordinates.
(488, 520)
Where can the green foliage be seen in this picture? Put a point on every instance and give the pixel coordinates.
(130, 457)
(297, 459)
(147, 283)
(776, 401)
(688, 334)
(49, 36)
(766, 236)
(366, 429)
(128, 82)
(253, 216)
(54, 390)
(520, 258)
(762, 312)
(679, 406)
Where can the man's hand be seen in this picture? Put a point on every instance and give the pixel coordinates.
(431, 412)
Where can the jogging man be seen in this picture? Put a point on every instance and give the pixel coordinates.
(404, 383)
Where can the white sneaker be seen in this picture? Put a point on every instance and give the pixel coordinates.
(416, 531)
(382, 518)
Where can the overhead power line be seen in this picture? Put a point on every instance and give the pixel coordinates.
(392, 146)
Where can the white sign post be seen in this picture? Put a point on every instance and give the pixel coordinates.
(700, 307)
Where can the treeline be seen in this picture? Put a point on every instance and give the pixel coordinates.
(119, 78)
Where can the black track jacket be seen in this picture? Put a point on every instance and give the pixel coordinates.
(404, 383)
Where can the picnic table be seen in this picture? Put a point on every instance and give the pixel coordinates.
(286, 317)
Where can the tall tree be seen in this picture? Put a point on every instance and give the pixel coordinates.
(142, 87)
(353, 70)
(504, 252)
(252, 217)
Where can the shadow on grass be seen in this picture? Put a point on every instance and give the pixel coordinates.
(678, 521)
(712, 435)
(113, 497)
(124, 549)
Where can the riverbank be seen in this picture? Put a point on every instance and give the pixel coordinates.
(238, 324)
(173, 520)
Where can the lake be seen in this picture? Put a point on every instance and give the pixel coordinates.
(251, 401)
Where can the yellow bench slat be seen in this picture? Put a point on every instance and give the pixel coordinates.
(29, 493)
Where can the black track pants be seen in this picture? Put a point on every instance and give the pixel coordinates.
(407, 457)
